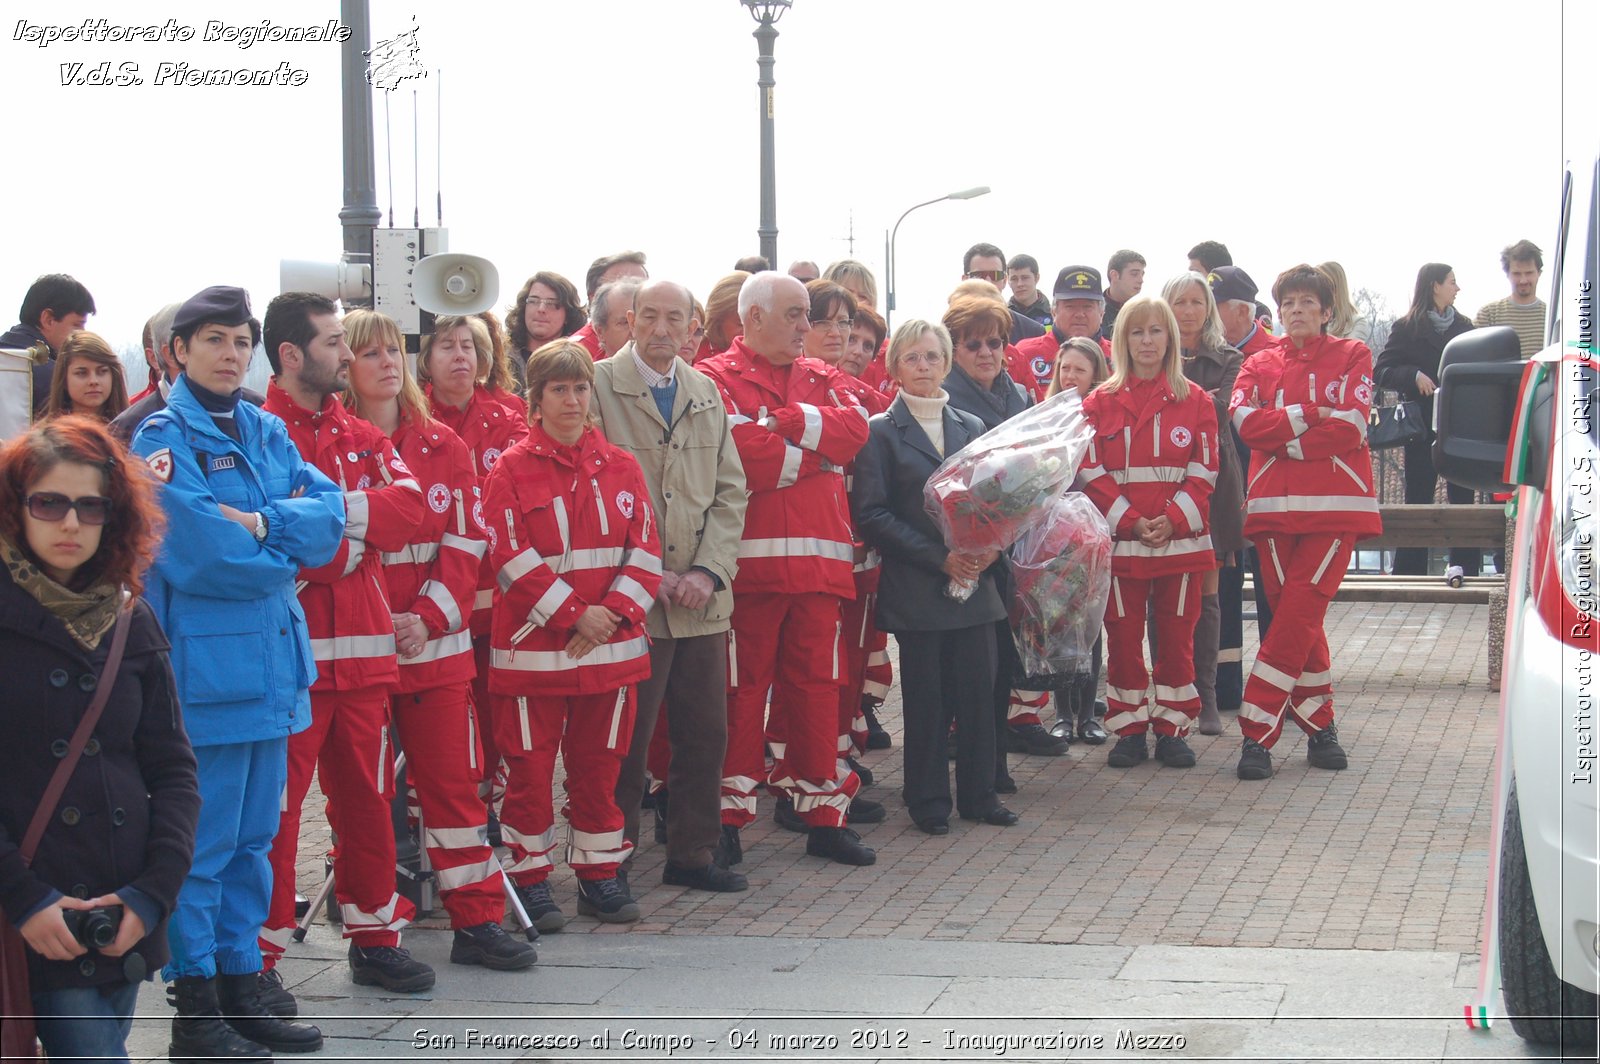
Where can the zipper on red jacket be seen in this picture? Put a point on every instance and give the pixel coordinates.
(600, 506)
(1156, 453)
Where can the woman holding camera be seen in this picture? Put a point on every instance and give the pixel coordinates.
(78, 527)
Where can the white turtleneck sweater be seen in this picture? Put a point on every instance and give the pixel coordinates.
(930, 415)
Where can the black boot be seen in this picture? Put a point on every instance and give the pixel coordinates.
(729, 851)
(659, 808)
(1089, 728)
(198, 1029)
(242, 1008)
(877, 738)
(1066, 702)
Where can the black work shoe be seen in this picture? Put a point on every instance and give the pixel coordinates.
(841, 845)
(863, 773)
(1129, 751)
(729, 849)
(877, 738)
(1323, 749)
(489, 946)
(1173, 752)
(1091, 731)
(198, 1030)
(1005, 785)
(712, 877)
(785, 817)
(242, 1009)
(1255, 761)
(866, 811)
(999, 816)
(391, 967)
(660, 802)
(543, 912)
(274, 997)
(606, 901)
(1033, 739)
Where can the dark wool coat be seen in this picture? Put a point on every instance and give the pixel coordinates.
(127, 816)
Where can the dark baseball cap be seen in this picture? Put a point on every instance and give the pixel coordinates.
(1230, 282)
(218, 305)
(1078, 282)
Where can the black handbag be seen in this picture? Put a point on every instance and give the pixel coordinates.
(1396, 426)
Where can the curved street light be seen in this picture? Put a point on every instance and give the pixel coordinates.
(889, 239)
(767, 12)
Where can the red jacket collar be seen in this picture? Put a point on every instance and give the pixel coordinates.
(283, 404)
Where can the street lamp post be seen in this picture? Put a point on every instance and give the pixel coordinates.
(766, 13)
(888, 246)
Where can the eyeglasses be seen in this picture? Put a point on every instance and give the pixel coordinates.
(52, 506)
(543, 304)
(996, 276)
(993, 343)
(838, 325)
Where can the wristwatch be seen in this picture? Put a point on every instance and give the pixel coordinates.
(261, 528)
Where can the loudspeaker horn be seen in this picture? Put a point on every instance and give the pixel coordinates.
(455, 284)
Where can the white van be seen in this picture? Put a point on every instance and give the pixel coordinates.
(1532, 425)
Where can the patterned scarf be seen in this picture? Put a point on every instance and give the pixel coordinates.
(88, 615)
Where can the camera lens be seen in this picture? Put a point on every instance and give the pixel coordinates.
(98, 930)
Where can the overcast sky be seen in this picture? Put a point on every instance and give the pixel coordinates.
(1382, 133)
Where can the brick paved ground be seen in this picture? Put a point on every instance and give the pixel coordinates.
(1389, 855)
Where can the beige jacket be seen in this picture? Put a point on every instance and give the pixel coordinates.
(695, 476)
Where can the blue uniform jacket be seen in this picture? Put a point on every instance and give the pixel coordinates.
(240, 650)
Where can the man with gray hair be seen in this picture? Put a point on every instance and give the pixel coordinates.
(804, 270)
(608, 314)
(619, 266)
(669, 416)
(796, 426)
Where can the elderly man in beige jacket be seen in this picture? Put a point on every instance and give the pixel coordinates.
(668, 415)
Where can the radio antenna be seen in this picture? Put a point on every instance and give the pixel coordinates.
(438, 150)
(416, 188)
(388, 155)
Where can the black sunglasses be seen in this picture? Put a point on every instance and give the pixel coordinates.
(53, 506)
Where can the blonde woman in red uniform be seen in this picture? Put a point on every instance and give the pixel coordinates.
(1302, 407)
(432, 581)
(1151, 469)
(453, 369)
(573, 541)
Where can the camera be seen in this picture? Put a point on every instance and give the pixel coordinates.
(94, 928)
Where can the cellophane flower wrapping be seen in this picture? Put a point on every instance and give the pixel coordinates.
(1062, 570)
(986, 495)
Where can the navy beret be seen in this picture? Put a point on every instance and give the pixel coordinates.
(218, 305)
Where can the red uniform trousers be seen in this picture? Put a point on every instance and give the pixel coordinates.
(592, 732)
(1302, 573)
(787, 644)
(491, 779)
(859, 635)
(1176, 598)
(348, 744)
(1025, 707)
(658, 759)
(439, 734)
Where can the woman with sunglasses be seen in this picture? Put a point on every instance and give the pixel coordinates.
(980, 385)
(79, 525)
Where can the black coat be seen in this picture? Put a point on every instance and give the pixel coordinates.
(127, 816)
(1003, 400)
(886, 502)
(1412, 348)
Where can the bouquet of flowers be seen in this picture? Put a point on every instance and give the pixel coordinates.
(1062, 569)
(995, 488)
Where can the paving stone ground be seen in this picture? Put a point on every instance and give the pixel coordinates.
(1318, 915)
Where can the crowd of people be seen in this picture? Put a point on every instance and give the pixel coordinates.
(663, 539)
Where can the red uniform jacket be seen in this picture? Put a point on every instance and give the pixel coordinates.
(1303, 413)
(1036, 363)
(569, 528)
(1154, 454)
(489, 429)
(796, 428)
(345, 601)
(867, 560)
(591, 343)
(435, 575)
